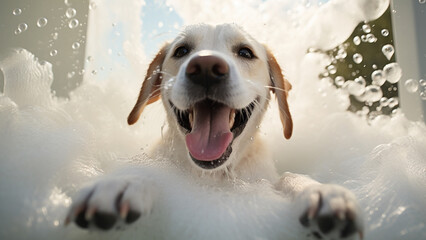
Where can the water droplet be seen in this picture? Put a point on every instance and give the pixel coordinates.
(70, 12)
(22, 27)
(92, 6)
(388, 51)
(392, 102)
(366, 28)
(378, 77)
(364, 38)
(73, 23)
(393, 72)
(89, 58)
(339, 81)
(341, 54)
(371, 38)
(422, 82)
(374, 66)
(160, 24)
(411, 85)
(17, 11)
(94, 72)
(423, 95)
(55, 35)
(54, 52)
(422, 1)
(18, 31)
(81, 72)
(357, 58)
(385, 32)
(331, 69)
(70, 74)
(41, 22)
(357, 40)
(75, 45)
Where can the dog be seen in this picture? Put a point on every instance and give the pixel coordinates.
(215, 83)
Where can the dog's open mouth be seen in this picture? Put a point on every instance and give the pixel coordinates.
(211, 129)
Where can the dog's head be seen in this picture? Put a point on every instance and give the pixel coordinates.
(214, 82)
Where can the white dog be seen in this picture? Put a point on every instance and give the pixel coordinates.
(215, 84)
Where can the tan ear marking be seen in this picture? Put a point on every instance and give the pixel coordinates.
(281, 87)
(149, 92)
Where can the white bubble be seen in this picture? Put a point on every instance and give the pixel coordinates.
(366, 28)
(92, 6)
(373, 93)
(73, 23)
(388, 50)
(392, 102)
(385, 32)
(94, 72)
(411, 85)
(89, 58)
(357, 40)
(357, 58)
(70, 74)
(18, 31)
(339, 81)
(55, 35)
(17, 11)
(378, 77)
(422, 82)
(354, 88)
(331, 69)
(54, 52)
(160, 24)
(22, 27)
(75, 45)
(360, 80)
(341, 54)
(422, 1)
(393, 72)
(70, 12)
(41, 22)
(371, 38)
(423, 95)
(384, 102)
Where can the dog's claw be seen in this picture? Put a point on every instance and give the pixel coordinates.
(104, 221)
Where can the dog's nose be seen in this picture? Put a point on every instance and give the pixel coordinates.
(207, 69)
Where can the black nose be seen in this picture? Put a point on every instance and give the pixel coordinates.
(207, 70)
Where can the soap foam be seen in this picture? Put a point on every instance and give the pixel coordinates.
(51, 147)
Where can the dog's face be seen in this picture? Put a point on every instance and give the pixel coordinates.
(214, 82)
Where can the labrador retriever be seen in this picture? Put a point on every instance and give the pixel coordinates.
(215, 83)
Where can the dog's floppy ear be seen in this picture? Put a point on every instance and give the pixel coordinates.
(281, 87)
(150, 91)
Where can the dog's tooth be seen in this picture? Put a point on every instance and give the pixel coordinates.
(191, 118)
(231, 118)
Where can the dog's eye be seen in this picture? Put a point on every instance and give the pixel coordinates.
(245, 53)
(180, 52)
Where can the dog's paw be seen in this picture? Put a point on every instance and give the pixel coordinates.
(330, 212)
(110, 203)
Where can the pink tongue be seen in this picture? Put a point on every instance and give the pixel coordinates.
(210, 135)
